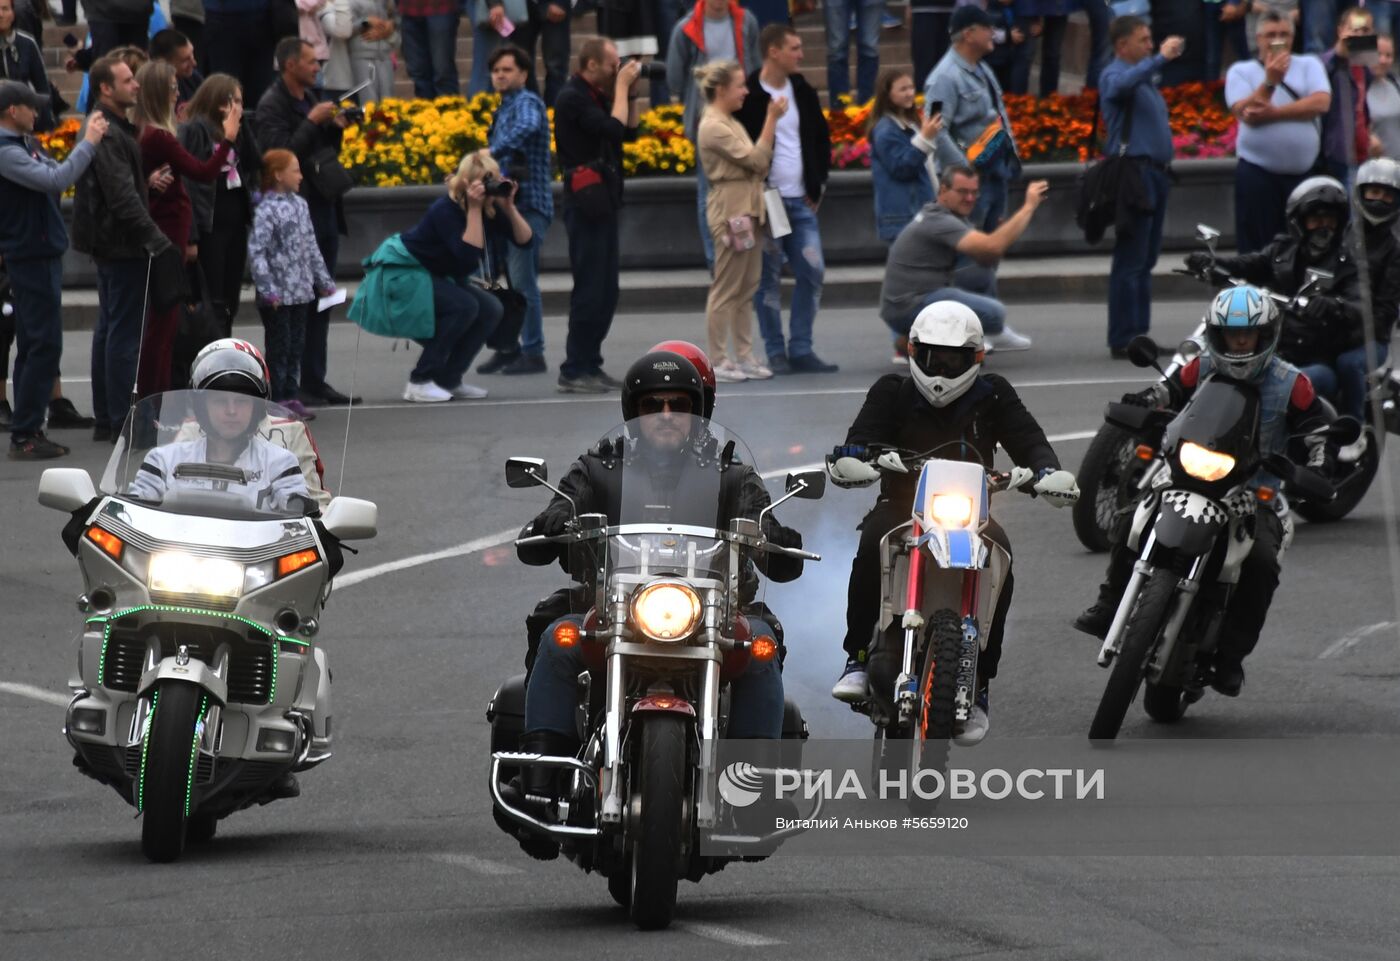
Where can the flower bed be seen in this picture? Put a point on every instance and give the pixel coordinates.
(421, 141)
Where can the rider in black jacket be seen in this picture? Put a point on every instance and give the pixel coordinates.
(945, 402)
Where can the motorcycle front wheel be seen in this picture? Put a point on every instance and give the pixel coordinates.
(167, 768)
(1139, 638)
(660, 779)
(933, 718)
(1107, 484)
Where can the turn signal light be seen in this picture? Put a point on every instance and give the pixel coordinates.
(1265, 494)
(1145, 452)
(291, 563)
(110, 543)
(763, 647)
(566, 634)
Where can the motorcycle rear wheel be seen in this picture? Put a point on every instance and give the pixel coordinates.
(1105, 486)
(660, 778)
(1139, 639)
(1350, 493)
(167, 769)
(933, 720)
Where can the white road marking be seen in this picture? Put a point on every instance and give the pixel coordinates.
(35, 693)
(1342, 645)
(725, 934)
(476, 864)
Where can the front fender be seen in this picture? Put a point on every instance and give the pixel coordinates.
(194, 671)
(1189, 523)
(664, 703)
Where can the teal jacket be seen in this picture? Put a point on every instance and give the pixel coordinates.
(396, 297)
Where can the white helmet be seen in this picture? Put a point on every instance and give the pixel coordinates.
(945, 351)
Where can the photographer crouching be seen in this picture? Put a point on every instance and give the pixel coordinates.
(461, 235)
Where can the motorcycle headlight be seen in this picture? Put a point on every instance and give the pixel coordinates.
(666, 611)
(180, 573)
(952, 510)
(1203, 463)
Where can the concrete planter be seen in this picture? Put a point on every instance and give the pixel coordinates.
(659, 222)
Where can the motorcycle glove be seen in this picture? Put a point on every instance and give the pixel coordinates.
(1198, 262)
(891, 461)
(848, 472)
(551, 523)
(1155, 396)
(858, 451)
(1020, 477)
(1058, 487)
(784, 536)
(1320, 308)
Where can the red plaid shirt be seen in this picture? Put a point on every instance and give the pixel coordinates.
(427, 8)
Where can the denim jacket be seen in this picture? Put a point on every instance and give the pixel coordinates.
(899, 170)
(283, 257)
(971, 100)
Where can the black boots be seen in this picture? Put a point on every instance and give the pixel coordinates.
(536, 790)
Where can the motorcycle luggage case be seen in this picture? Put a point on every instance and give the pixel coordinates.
(506, 713)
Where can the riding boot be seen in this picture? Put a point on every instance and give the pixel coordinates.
(536, 790)
(1098, 617)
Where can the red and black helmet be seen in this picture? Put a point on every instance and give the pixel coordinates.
(702, 364)
(656, 371)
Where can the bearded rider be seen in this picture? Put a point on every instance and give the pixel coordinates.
(944, 399)
(660, 394)
(1242, 336)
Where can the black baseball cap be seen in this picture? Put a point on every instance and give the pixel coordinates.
(13, 92)
(969, 16)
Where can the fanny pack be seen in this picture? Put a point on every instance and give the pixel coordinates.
(991, 145)
(739, 233)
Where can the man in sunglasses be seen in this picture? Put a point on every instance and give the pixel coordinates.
(945, 399)
(663, 395)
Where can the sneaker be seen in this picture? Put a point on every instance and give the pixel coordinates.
(889, 21)
(1008, 339)
(1228, 677)
(499, 361)
(607, 382)
(466, 391)
(853, 686)
(977, 723)
(62, 414)
(1352, 452)
(811, 364)
(526, 364)
(6, 414)
(728, 372)
(37, 447)
(778, 364)
(1095, 620)
(296, 407)
(753, 370)
(582, 384)
(428, 393)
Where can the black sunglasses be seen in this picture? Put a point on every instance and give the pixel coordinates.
(655, 405)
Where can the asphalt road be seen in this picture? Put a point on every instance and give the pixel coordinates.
(391, 850)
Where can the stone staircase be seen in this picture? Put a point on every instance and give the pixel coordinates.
(894, 52)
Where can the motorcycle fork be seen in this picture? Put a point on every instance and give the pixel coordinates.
(971, 644)
(1186, 590)
(612, 742)
(706, 786)
(906, 687)
(1141, 571)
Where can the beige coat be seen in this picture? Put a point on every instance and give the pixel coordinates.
(735, 166)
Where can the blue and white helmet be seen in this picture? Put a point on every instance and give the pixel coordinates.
(1242, 308)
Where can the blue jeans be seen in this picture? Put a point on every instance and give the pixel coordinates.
(702, 193)
(430, 51)
(990, 311)
(315, 356)
(554, 48)
(464, 316)
(37, 288)
(1135, 250)
(990, 208)
(755, 694)
(1319, 24)
(523, 269)
(928, 42)
(484, 41)
(1260, 200)
(594, 263)
(838, 47)
(284, 336)
(768, 11)
(1100, 14)
(116, 340)
(1217, 36)
(803, 250)
(1344, 381)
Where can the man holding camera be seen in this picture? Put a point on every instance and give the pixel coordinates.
(1346, 126)
(596, 112)
(290, 117)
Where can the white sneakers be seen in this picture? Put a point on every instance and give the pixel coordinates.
(1007, 340)
(754, 370)
(728, 372)
(1351, 453)
(431, 393)
(975, 729)
(853, 686)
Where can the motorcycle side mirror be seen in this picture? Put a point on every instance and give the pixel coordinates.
(807, 484)
(526, 472)
(65, 488)
(1188, 349)
(1315, 279)
(351, 519)
(1142, 351)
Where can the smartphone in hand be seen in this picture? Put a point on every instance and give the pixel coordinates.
(935, 107)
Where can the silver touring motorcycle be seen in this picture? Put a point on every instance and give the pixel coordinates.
(667, 591)
(200, 687)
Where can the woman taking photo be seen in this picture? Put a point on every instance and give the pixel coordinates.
(170, 209)
(901, 154)
(736, 168)
(451, 243)
(223, 208)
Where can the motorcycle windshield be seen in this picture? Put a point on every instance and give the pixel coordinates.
(1222, 416)
(211, 453)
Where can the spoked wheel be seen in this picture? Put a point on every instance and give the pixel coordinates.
(1165, 703)
(168, 759)
(1107, 482)
(660, 777)
(1139, 638)
(933, 719)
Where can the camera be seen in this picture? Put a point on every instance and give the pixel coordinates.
(353, 115)
(496, 186)
(653, 70)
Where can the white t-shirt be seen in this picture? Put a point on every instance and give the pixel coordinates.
(786, 172)
(1289, 146)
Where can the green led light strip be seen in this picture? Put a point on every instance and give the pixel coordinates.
(107, 620)
(194, 751)
(145, 746)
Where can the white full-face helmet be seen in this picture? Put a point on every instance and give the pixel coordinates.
(945, 351)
